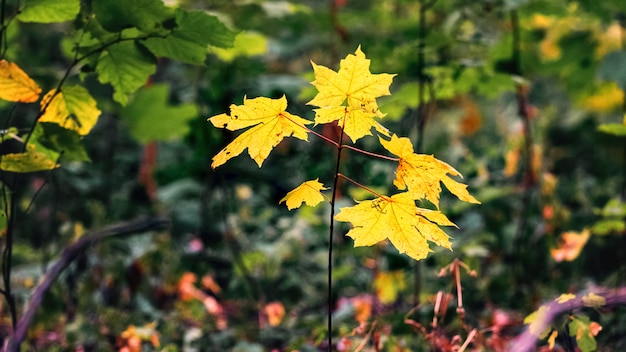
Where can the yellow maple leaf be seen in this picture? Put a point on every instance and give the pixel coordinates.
(16, 85)
(565, 297)
(349, 95)
(29, 161)
(308, 192)
(423, 174)
(397, 218)
(269, 123)
(72, 108)
(388, 285)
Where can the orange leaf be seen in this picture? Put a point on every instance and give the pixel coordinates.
(16, 85)
(570, 245)
(275, 312)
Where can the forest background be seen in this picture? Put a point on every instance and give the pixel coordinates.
(524, 98)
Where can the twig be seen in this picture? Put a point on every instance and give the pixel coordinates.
(527, 340)
(70, 254)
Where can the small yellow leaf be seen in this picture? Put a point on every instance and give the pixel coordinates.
(593, 300)
(552, 339)
(423, 174)
(308, 192)
(73, 109)
(565, 298)
(275, 312)
(29, 161)
(16, 85)
(349, 95)
(397, 218)
(270, 124)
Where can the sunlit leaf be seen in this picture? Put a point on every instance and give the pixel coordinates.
(16, 85)
(398, 219)
(269, 123)
(308, 192)
(349, 95)
(537, 322)
(246, 43)
(423, 174)
(29, 161)
(552, 339)
(150, 117)
(72, 108)
(48, 11)
(126, 68)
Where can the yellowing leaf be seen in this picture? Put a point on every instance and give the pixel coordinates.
(581, 328)
(552, 339)
(73, 108)
(29, 161)
(593, 300)
(275, 312)
(308, 192)
(397, 218)
(565, 298)
(570, 245)
(349, 95)
(15, 85)
(271, 124)
(422, 174)
(537, 322)
(388, 284)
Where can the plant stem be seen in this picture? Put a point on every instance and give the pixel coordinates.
(365, 187)
(331, 229)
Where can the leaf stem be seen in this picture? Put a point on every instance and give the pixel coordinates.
(365, 187)
(328, 140)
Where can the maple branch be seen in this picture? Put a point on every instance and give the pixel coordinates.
(527, 340)
(365, 187)
(70, 254)
(376, 155)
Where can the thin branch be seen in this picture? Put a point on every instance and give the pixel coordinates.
(70, 254)
(331, 230)
(527, 340)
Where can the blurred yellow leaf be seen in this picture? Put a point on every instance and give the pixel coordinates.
(570, 245)
(72, 108)
(398, 219)
(423, 174)
(565, 298)
(271, 123)
(388, 285)
(348, 96)
(308, 192)
(552, 339)
(593, 300)
(16, 85)
(537, 322)
(29, 161)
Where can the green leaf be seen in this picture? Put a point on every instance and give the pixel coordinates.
(246, 44)
(126, 68)
(54, 137)
(613, 68)
(48, 11)
(29, 161)
(616, 129)
(149, 117)
(190, 38)
(579, 328)
(115, 15)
